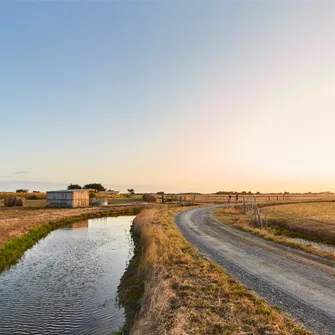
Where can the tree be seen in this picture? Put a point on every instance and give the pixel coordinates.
(74, 187)
(95, 186)
(222, 192)
(131, 191)
(22, 190)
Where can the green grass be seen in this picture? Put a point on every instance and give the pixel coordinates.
(14, 249)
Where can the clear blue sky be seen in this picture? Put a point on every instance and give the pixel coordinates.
(174, 95)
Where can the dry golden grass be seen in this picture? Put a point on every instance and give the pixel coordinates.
(262, 198)
(314, 220)
(117, 196)
(27, 195)
(39, 203)
(182, 293)
(277, 230)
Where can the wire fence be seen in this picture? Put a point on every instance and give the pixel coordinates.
(262, 214)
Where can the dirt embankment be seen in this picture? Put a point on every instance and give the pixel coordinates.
(16, 222)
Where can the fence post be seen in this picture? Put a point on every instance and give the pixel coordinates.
(259, 217)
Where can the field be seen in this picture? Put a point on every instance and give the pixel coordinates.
(29, 204)
(200, 199)
(26, 195)
(203, 199)
(38, 200)
(315, 221)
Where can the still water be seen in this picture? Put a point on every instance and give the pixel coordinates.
(67, 283)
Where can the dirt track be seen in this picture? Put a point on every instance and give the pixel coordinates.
(299, 283)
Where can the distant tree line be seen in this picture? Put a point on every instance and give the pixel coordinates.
(24, 190)
(233, 192)
(94, 186)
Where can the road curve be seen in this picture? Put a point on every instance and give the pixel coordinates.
(297, 282)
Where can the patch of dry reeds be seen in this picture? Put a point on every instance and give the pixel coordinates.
(313, 221)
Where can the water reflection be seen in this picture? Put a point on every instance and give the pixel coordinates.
(67, 283)
(82, 224)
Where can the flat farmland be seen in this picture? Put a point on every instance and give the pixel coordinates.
(39, 203)
(203, 199)
(315, 220)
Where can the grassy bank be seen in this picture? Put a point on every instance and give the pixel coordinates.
(14, 249)
(280, 229)
(169, 288)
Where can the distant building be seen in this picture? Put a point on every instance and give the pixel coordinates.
(68, 198)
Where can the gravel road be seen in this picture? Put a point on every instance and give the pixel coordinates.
(298, 283)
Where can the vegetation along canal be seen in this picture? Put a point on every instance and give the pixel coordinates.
(67, 283)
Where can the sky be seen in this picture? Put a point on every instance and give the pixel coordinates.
(173, 96)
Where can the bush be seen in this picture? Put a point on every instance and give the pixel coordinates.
(95, 186)
(74, 187)
(32, 197)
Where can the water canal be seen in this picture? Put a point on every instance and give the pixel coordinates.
(67, 283)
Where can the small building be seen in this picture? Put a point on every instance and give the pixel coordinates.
(68, 198)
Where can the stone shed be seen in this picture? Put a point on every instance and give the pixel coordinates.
(68, 198)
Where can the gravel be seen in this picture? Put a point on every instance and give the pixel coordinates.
(292, 280)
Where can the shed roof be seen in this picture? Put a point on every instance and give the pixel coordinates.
(68, 191)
